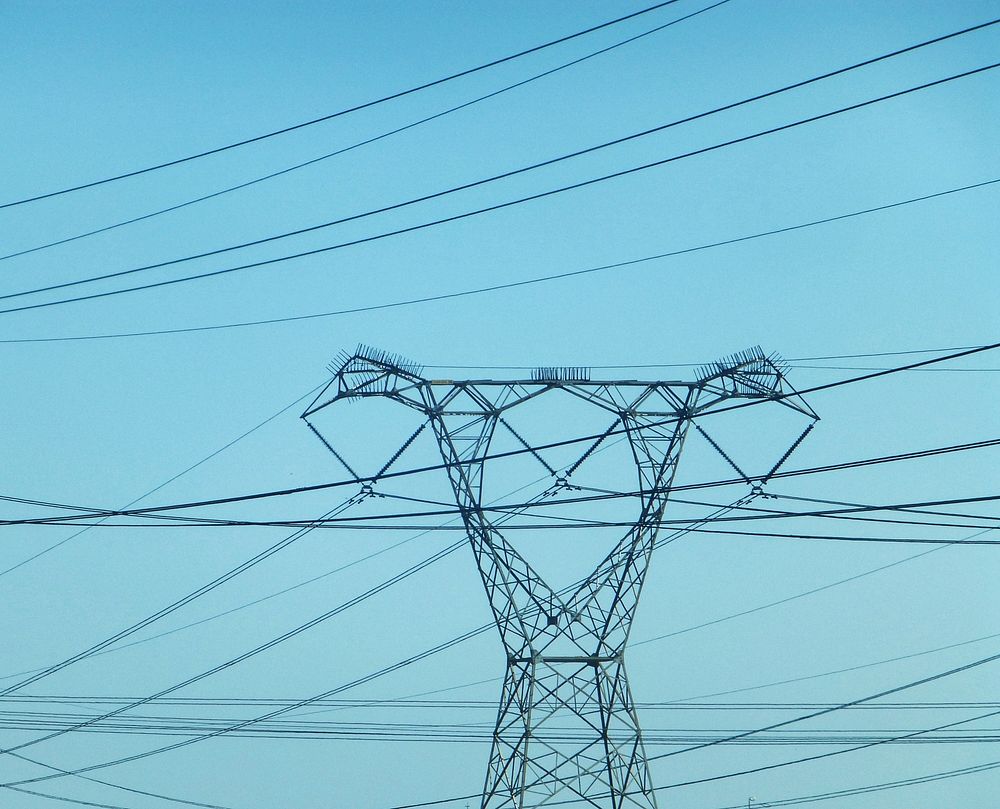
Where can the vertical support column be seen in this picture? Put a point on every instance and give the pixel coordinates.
(628, 772)
(607, 600)
(567, 721)
(522, 602)
(525, 608)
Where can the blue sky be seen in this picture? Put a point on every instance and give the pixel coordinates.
(95, 89)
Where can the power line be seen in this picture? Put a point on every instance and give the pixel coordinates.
(147, 639)
(339, 113)
(455, 217)
(834, 708)
(868, 368)
(834, 672)
(170, 608)
(381, 672)
(657, 638)
(703, 364)
(53, 547)
(64, 799)
(878, 662)
(843, 793)
(332, 692)
(222, 666)
(366, 141)
(246, 655)
(507, 174)
(839, 466)
(121, 787)
(863, 378)
(805, 759)
(395, 666)
(938, 776)
(915, 508)
(975, 640)
(564, 523)
(406, 703)
(451, 733)
(518, 284)
(167, 482)
(301, 703)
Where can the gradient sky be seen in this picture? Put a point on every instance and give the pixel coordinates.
(95, 89)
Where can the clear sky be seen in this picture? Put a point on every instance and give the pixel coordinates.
(90, 90)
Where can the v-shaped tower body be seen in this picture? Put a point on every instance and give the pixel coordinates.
(567, 724)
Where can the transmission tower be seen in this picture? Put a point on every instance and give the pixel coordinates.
(567, 723)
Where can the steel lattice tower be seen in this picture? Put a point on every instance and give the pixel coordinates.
(567, 722)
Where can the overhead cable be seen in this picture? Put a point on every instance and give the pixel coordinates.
(779, 765)
(839, 466)
(369, 140)
(513, 284)
(408, 661)
(493, 178)
(167, 482)
(448, 219)
(338, 113)
(170, 608)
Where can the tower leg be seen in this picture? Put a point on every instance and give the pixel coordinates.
(567, 726)
(567, 723)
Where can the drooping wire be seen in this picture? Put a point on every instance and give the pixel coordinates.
(235, 661)
(833, 467)
(375, 138)
(774, 398)
(515, 284)
(173, 606)
(301, 703)
(168, 481)
(393, 668)
(779, 765)
(448, 219)
(806, 593)
(339, 113)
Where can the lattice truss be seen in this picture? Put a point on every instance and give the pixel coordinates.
(567, 723)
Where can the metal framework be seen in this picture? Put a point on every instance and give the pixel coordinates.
(567, 722)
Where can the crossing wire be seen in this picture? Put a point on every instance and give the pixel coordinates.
(879, 787)
(970, 720)
(168, 481)
(285, 709)
(172, 607)
(223, 666)
(877, 663)
(804, 759)
(395, 667)
(337, 610)
(563, 522)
